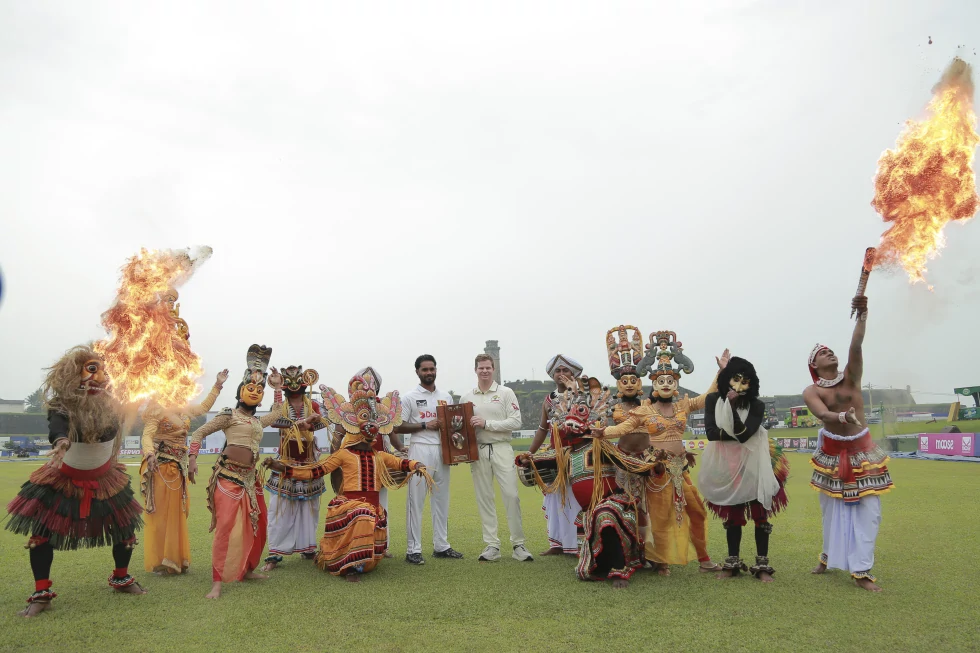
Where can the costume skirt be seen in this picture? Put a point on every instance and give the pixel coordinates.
(238, 519)
(75, 508)
(611, 546)
(678, 520)
(355, 535)
(754, 510)
(166, 541)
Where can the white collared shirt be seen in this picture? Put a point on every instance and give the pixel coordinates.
(499, 407)
(419, 405)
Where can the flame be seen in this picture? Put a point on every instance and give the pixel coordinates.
(928, 181)
(146, 356)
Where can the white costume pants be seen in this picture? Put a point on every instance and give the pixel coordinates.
(496, 461)
(562, 533)
(293, 526)
(429, 455)
(849, 532)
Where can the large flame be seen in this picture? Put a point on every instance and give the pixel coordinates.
(927, 181)
(146, 355)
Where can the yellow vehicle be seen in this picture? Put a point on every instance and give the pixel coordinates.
(801, 417)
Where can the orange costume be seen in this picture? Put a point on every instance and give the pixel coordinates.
(677, 515)
(235, 498)
(355, 534)
(167, 547)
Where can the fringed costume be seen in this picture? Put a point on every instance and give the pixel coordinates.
(87, 501)
(355, 534)
(560, 509)
(294, 505)
(167, 546)
(596, 471)
(234, 496)
(678, 518)
(743, 473)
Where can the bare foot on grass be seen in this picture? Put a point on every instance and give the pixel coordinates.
(269, 566)
(726, 574)
(620, 583)
(254, 576)
(867, 584)
(765, 577)
(34, 609)
(215, 590)
(819, 569)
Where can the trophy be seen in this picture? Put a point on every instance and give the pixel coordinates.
(456, 433)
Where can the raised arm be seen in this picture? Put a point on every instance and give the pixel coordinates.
(218, 423)
(855, 356)
(196, 410)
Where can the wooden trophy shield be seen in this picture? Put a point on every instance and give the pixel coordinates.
(456, 433)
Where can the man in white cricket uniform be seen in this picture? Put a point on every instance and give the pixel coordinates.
(496, 414)
(420, 419)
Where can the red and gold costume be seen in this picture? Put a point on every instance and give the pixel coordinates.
(355, 534)
(678, 519)
(87, 500)
(234, 496)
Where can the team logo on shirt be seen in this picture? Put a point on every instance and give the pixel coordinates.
(495, 399)
(421, 402)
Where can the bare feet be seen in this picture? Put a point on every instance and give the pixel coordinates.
(389, 554)
(553, 551)
(620, 583)
(708, 567)
(131, 589)
(269, 566)
(215, 590)
(867, 584)
(34, 609)
(725, 574)
(661, 568)
(819, 569)
(254, 576)
(353, 578)
(765, 577)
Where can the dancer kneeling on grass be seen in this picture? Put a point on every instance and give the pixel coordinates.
(235, 499)
(82, 497)
(355, 535)
(742, 471)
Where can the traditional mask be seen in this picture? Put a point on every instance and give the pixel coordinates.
(365, 408)
(94, 379)
(739, 383)
(253, 390)
(665, 385)
(295, 379)
(629, 386)
(582, 406)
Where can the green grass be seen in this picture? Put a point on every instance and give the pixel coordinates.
(926, 560)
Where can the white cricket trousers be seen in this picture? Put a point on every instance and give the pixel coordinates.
(429, 455)
(496, 461)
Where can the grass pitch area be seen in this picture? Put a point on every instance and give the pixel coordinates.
(926, 560)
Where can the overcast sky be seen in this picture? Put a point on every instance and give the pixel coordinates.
(380, 180)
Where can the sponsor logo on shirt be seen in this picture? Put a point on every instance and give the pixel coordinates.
(514, 406)
(426, 414)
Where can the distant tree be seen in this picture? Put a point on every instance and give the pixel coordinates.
(35, 401)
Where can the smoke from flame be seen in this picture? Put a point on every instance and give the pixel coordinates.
(145, 355)
(928, 181)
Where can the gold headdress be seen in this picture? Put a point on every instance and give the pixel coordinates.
(662, 350)
(624, 350)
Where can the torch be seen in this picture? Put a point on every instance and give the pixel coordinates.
(869, 262)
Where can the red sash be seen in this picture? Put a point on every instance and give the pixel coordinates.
(87, 481)
(844, 450)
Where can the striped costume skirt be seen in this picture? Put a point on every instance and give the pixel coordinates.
(75, 508)
(611, 543)
(355, 535)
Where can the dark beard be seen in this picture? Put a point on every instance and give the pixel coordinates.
(742, 401)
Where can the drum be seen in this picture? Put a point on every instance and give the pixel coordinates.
(526, 476)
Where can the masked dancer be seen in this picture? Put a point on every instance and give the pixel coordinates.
(235, 498)
(294, 507)
(678, 519)
(355, 534)
(849, 469)
(742, 471)
(82, 497)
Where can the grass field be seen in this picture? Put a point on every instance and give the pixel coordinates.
(927, 557)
